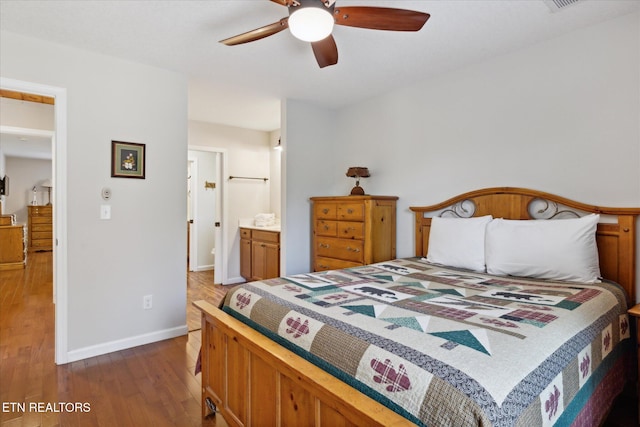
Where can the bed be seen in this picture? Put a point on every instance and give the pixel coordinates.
(430, 340)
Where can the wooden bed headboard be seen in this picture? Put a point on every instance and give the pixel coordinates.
(616, 240)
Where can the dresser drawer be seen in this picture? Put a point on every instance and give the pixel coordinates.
(7, 220)
(345, 249)
(40, 235)
(245, 233)
(35, 227)
(351, 230)
(351, 211)
(40, 211)
(266, 236)
(343, 229)
(327, 228)
(322, 264)
(40, 220)
(42, 243)
(325, 210)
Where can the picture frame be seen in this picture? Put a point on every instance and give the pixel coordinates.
(128, 160)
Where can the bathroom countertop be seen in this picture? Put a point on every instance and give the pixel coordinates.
(250, 223)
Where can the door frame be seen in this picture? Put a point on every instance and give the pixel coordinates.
(220, 272)
(193, 235)
(59, 200)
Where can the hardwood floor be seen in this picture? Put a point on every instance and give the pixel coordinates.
(150, 385)
(199, 286)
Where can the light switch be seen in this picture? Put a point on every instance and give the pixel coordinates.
(105, 211)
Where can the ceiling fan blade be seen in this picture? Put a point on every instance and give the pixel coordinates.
(287, 2)
(326, 51)
(380, 18)
(258, 33)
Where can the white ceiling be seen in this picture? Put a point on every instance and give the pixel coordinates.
(25, 144)
(243, 85)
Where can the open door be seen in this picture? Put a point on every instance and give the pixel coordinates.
(191, 255)
(204, 205)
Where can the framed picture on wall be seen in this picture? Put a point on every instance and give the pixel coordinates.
(127, 160)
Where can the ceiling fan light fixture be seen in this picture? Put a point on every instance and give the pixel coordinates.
(311, 24)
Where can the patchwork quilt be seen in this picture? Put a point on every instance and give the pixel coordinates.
(443, 346)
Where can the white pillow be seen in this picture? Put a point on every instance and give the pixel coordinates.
(458, 242)
(563, 249)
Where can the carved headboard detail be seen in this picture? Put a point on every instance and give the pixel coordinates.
(616, 240)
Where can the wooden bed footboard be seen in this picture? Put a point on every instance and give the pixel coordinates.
(254, 381)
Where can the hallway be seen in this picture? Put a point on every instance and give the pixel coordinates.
(150, 385)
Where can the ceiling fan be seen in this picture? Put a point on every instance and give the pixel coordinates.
(313, 21)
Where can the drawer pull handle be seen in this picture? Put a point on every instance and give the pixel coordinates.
(349, 248)
(324, 245)
(349, 211)
(325, 210)
(326, 227)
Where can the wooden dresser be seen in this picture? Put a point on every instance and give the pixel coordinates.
(40, 228)
(353, 230)
(259, 254)
(12, 244)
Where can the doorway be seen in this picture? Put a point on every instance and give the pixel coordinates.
(202, 212)
(59, 201)
(206, 208)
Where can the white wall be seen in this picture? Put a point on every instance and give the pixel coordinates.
(561, 116)
(248, 154)
(23, 175)
(140, 251)
(275, 170)
(26, 114)
(311, 157)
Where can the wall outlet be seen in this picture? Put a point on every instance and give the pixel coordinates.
(147, 302)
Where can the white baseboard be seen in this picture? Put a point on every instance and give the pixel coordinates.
(234, 280)
(110, 347)
(205, 267)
